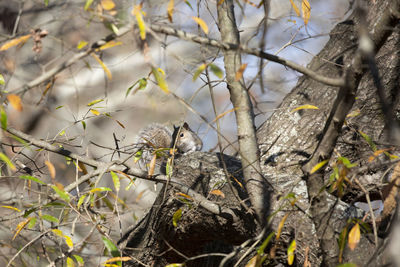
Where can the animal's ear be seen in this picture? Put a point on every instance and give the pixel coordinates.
(186, 126)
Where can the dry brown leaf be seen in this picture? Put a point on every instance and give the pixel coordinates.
(52, 169)
(15, 101)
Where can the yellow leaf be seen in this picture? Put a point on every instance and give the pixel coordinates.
(51, 168)
(318, 166)
(223, 114)
(183, 195)
(152, 165)
(15, 42)
(118, 259)
(68, 241)
(239, 73)
(58, 232)
(295, 8)
(354, 113)
(170, 10)
(280, 227)
(304, 107)
(106, 70)
(202, 24)
(70, 262)
(139, 196)
(254, 262)
(199, 70)
(218, 193)
(81, 45)
(95, 112)
(354, 236)
(15, 101)
(11, 208)
(290, 252)
(109, 45)
(21, 226)
(160, 80)
(139, 18)
(305, 7)
(107, 4)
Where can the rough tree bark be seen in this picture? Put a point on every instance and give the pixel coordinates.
(287, 140)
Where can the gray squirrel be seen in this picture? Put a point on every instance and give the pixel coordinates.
(158, 139)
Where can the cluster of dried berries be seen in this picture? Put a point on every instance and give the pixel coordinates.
(37, 36)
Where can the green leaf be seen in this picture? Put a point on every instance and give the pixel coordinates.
(111, 247)
(32, 222)
(83, 125)
(216, 70)
(4, 158)
(142, 85)
(79, 260)
(347, 265)
(2, 82)
(264, 244)
(28, 177)
(87, 4)
(199, 70)
(95, 102)
(188, 4)
(176, 217)
(46, 2)
(63, 195)
(369, 140)
(80, 201)
(346, 162)
(59, 107)
(50, 218)
(3, 118)
(116, 181)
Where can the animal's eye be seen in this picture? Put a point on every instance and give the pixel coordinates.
(182, 135)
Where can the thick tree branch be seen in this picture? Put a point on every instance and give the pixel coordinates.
(102, 167)
(320, 203)
(227, 45)
(255, 184)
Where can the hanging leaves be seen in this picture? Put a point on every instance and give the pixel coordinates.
(106, 70)
(170, 10)
(306, 9)
(51, 168)
(14, 42)
(159, 76)
(137, 12)
(176, 217)
(354, 236)
(239, 73)
(3, 118)
(201, 23)
(107, 4)
(15, 101)
(2, 82)
(21, 226)
(295, 8)
(6, 160)
(290, 252)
